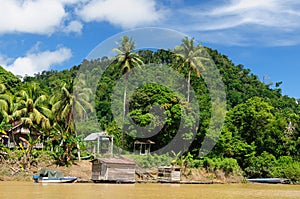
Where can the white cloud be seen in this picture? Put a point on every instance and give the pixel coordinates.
(33, 16)
(241, 22)
(35, 62)
(235, 22)
(44, 17)
(125, 13)
(72, 1)
(265, 13)
(73, 26)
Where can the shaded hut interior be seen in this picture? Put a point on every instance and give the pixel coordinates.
(142, 147)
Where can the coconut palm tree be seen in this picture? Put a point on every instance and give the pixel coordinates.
(126, 59)
(31, 108)
(191, 58)
(68, 105)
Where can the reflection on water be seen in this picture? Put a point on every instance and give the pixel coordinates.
(28, 190)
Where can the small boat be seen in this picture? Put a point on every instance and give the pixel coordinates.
(52, 176)
(269, 180)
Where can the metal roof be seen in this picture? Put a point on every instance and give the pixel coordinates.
(17, 128)
(115, 161)
(94, 136)
(144, 142)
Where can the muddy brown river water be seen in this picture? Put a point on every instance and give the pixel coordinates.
(29, 190)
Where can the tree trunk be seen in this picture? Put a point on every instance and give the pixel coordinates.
(71, 118)
(189, 85)
(77, 143)
(123, 119)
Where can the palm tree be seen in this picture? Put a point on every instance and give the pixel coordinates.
(68, 105)
(6, 104)
(125, 60)
(31, 108)
(191, 58)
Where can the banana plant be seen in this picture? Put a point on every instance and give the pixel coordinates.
(64, 144)
(3, 127)
(27, 150)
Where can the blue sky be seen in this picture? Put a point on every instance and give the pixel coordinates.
(264, 36)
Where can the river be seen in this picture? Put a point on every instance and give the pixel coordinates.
(29, 190)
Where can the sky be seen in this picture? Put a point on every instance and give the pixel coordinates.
(264, 36)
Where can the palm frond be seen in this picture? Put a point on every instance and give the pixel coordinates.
(2, 88)
(26, 121)
(45, 111)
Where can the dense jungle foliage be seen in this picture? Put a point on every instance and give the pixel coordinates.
(260, 135)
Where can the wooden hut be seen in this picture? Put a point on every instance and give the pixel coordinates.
(17, 132)
(113, 170)
(100, 143)
(142, 147)
(168, 174)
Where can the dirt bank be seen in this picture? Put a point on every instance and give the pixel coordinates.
(83, 170)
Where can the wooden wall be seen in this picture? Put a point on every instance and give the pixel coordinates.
(169, 174)
(118, 172)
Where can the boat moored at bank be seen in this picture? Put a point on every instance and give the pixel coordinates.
(52, 176)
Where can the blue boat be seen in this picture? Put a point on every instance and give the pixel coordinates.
(52, 176)
(269, 180)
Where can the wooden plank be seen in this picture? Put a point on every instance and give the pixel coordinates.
(121, 174)
(175, 176)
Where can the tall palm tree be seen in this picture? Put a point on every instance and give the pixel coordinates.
(31, 108)
(191, 58)
(68, 105)
(126, 59)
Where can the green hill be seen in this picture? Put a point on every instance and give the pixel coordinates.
(10, 81)
(261, 132)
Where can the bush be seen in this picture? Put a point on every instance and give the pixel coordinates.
(261, 166)
(196, 163)
(148, 161)
(286, 167)
(211, 164)
(228, 165)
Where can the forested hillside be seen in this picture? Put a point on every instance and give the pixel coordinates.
(261, 133)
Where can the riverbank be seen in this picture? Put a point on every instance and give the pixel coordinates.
(83, 170)
(12, 172)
